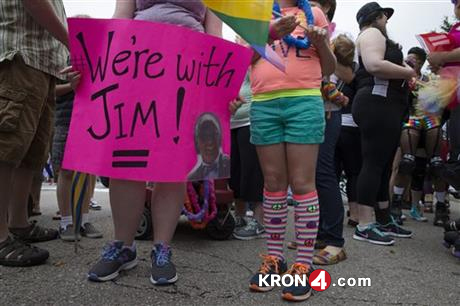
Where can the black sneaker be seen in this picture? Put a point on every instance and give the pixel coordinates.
(298, 293)
(452, 226)
(456, 248)
(373, 235)
(394, 230)
(114, 258)
(450, 238)
(15, 253)
(163, 270)
(395, 210)
(441, 215)
(270, 265)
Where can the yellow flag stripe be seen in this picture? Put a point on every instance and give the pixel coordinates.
(255, 9)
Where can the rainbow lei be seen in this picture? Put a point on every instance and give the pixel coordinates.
(198, 215)
(301, 43)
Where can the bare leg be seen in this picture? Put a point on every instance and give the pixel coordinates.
(240, 208)
(354, 213)
(365, 215)
(167, 202)
(6, 174)
(36, 191)
(64, 184)
(273, 163)
(17, 210)
(302, 167)
(127, 199)
(259, 212)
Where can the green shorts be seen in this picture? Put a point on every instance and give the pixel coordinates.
(298, 120)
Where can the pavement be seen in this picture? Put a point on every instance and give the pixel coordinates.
(417, 271)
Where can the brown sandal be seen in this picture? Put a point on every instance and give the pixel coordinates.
(325, 258)
(34, 233)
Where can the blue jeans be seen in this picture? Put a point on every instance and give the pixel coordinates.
(330, 199)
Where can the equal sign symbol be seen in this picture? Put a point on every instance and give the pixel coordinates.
(133, 158)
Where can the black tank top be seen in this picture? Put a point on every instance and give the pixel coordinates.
(382, 87)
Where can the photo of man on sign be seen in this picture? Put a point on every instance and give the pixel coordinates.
(212, 162)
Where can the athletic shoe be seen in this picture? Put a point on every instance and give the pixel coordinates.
(456, 248)
(450, 238)
(417, 215)
(239, 222)
(68, 233)
(114, 259)
(270, 265)
(252, 230)
(94, 205)
(163, 270)
(298, 293)
(394, 230)
(88, 230)
(452, 226)
(373, 235)
(441, 215)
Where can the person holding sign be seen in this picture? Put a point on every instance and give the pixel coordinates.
(127, 197)
(287, 126)
(33, 50)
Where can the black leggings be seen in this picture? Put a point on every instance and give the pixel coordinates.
(454, 133)
(380, 122)
(348, 158)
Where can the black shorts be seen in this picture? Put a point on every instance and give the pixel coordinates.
(246, 179)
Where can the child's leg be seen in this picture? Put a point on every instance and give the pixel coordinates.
(272, 161)
(302, 168)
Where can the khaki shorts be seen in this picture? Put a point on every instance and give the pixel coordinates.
(27, 103)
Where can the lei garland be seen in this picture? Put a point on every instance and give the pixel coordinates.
(198, 215)
(299, 42)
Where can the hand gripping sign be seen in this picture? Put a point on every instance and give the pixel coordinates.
(153, 100)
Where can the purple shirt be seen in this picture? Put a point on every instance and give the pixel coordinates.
(189, 13)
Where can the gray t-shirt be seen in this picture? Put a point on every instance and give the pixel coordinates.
(190, 13)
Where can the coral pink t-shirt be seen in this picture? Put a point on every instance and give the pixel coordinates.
(303, 68)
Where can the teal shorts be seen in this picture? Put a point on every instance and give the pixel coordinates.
(298, 120)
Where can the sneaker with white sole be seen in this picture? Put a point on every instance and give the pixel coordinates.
(114, 259)
(68, 233)
(252, 230)
(163, 269)
(90, 231)
(372, 234)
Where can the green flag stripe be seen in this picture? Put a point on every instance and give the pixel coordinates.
(255, 32)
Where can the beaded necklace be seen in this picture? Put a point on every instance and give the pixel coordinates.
(300, 43)
(198, 215)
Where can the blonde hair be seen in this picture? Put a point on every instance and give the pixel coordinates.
(344, 50)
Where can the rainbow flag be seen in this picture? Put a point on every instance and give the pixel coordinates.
(251, 20)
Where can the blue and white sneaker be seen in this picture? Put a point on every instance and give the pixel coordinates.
(394, 230)
(417, 215)
(163, 270)
(114, 258)
(372, 234)
(298, 293)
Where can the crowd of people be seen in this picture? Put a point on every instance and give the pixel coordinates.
(343, 108)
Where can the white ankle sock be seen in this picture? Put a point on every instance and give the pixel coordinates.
(398, 190)
(66, 221)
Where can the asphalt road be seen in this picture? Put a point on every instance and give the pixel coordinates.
(417, 271)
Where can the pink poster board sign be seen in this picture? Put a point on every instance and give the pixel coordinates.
(152, 104)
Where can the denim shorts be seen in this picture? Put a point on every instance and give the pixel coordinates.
(297, 120)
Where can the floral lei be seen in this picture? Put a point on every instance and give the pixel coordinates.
(301, 43)
(198, 215)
